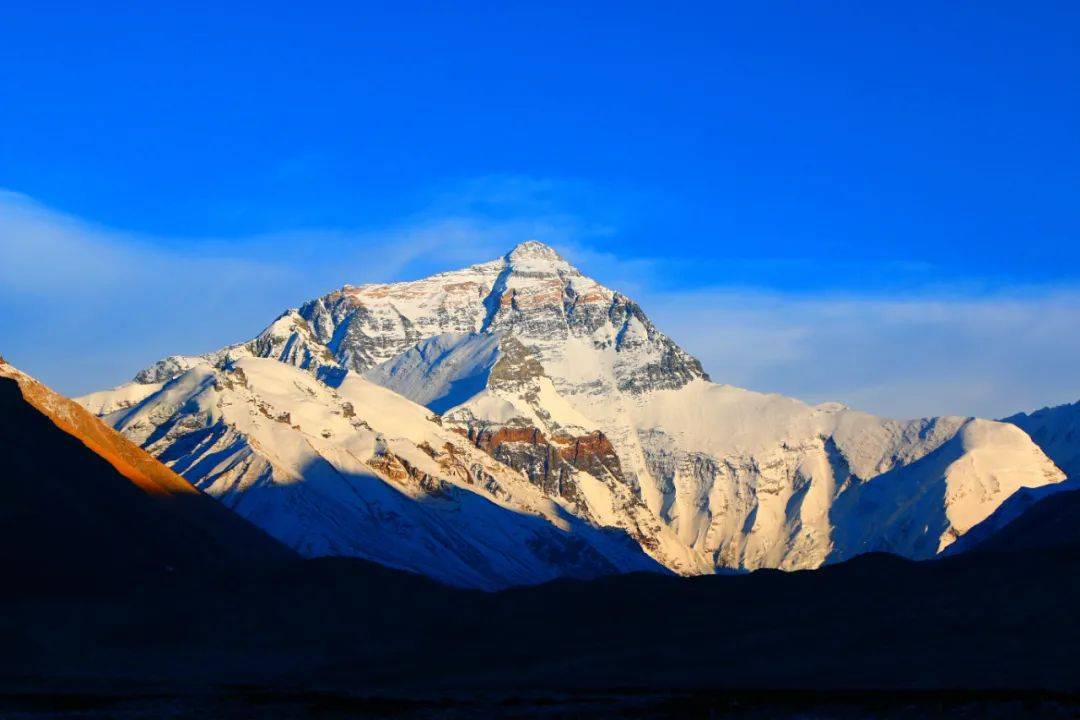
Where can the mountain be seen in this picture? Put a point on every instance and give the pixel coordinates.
(339, 636)
(1032, 519)
(593, 417)
(1057, 431)
(1016, 506)
(83, 504)
(1050, 522)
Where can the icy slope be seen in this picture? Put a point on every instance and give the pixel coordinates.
(442, 371)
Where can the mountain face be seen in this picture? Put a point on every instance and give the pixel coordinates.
(1057, 431)
(987, 532)
(83, 503)
(357, 470)
(1047, 523)
(565, 404)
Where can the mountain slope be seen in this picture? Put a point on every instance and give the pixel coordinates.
(1057, 431)
(360, 471)
(83, 503)
(1017, 506)
(1050, 522)
(570, 383)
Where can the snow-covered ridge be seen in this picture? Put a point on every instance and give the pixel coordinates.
(1057, 432)
(359, 470)
(569, 385)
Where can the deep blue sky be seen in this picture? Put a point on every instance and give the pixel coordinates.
(792, 147)
(943, 133)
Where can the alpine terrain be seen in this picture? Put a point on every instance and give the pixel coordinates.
(83, 505)
(516, 421)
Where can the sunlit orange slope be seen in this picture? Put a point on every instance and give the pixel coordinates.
(131, 461)
(80, 502)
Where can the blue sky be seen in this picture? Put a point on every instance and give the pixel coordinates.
(869, 202)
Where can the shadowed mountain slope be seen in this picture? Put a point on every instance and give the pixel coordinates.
(1050, 522)
(1057, 431)
(81, 503)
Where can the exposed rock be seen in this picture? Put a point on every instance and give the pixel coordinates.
(402, 471)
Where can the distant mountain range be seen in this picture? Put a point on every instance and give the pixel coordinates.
(516, 421)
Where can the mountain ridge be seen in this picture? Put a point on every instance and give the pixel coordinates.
(83, 505)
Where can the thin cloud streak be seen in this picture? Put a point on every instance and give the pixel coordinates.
(965, 348)
(904, 357)
(84, 307)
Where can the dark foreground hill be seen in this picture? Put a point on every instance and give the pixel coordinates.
(986, 623)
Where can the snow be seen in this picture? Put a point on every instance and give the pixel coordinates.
(1057, 431)
(301, 459)
(996, 463)
(105, 402)
(440, 372)
(711, 476)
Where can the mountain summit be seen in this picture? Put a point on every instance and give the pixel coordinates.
(538, 389)
(534, 251)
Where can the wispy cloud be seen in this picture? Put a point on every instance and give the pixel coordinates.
(968, 347)
(84, 306)
(987, 355)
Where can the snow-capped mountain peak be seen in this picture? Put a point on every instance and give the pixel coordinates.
(570, 385)
(536, 257)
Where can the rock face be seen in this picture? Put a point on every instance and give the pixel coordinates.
(551, 465)
(570, 384)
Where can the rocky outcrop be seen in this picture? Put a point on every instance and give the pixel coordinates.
(551, 464)
(592, 453)
(403, 472)
(526, 450)
(290, 340)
